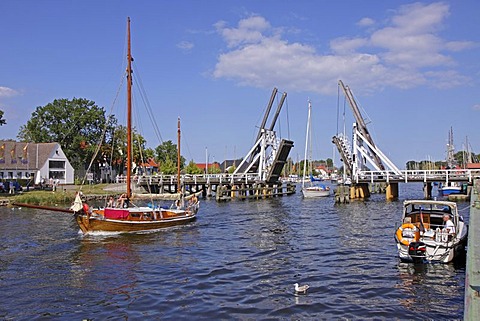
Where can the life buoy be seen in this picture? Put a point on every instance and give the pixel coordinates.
(406, 241)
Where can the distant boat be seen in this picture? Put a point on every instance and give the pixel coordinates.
(449, 188)
(309, 189)
(344, 181)
(424, 236)
(125, 217)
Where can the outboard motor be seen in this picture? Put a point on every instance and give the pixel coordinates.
(417, 251)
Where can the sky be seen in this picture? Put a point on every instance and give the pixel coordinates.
(413, 67)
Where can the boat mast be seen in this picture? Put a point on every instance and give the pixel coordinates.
(129, 111)
(178, 158)
(306, 143)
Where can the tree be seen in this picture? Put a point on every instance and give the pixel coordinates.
(167, 152)
(168, 167)
(77, 125)
(192, 168)
(329, 162)
(116, 148)
(2, 121)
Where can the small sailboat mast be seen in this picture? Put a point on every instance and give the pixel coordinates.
(307, 136)
(129, 111)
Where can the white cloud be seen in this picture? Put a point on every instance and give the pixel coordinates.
(406, 52)
(185, 45)
(344, 45)
(459, 45)
(7, 92)
(249, 31)
(366, 22)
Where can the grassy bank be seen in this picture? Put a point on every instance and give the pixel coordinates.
(61, 196)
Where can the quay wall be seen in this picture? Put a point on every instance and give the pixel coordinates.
(472, 273)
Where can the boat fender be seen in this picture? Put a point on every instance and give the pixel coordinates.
(438, 235)
(86, 208)
(406, 241)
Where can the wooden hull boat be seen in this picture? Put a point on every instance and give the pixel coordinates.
(132, 220)
(423, 237)
(127, 218)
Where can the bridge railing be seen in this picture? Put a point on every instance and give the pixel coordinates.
(444, 175)
(197, 178)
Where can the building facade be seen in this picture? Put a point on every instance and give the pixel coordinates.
(19, 160)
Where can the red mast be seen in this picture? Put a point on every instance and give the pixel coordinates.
(179, 187)
(129, 111)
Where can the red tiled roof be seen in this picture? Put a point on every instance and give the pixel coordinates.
(210, 165)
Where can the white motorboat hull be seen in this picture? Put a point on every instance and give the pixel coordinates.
(310, 192)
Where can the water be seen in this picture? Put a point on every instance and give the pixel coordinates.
(238, 261)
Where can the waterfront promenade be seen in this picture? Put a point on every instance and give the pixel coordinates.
(472, 274)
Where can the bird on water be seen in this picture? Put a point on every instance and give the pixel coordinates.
(301, 288)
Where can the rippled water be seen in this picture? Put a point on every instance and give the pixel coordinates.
(239, 260)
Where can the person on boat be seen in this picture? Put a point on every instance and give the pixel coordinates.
(448, 224)
(86, 209)
(122, 201)
(178, 204)
(193, 200)
(111, 202)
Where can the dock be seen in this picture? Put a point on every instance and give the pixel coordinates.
(472, 273)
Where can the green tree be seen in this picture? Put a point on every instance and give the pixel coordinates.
(192, 168)
(214, 168)
(116, 148)
(77, 125)
(167, 152)
(168, 167)
(329, 162)
(2, 121)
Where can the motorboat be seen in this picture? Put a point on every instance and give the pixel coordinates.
(449, 188)
(424, 235)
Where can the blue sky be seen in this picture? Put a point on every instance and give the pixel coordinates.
(413, 66)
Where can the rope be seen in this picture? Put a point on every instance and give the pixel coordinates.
(102, 137)
(463, 209)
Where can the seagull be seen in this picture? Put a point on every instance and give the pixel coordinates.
(301, 289)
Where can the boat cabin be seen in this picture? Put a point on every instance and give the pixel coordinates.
(431, 214)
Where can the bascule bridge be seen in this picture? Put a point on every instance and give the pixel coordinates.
(364, 162)
(257, 176)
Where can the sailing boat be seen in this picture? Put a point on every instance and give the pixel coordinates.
(126, 217)
(310, 190)
(450, 187)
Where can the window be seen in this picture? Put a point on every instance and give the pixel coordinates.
(57, 174)
(56, 164)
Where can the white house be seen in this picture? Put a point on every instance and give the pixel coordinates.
(26, 160)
